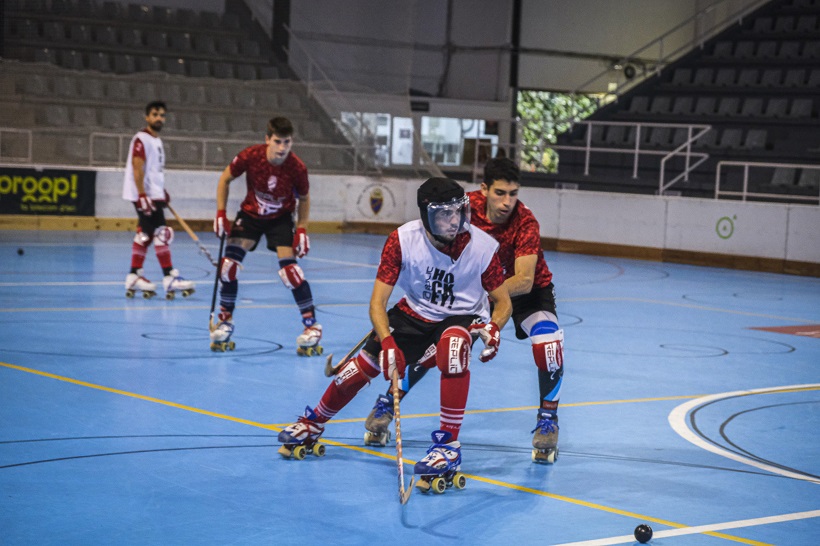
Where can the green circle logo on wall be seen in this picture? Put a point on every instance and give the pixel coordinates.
(725, 227)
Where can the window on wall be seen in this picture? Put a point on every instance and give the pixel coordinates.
(448, 141)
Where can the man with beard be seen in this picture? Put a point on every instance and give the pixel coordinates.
(144, 185)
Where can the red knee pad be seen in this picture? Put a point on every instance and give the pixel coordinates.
(548, 351)
(453, 351)
(228, 269)
(292, 276)
(355, 373)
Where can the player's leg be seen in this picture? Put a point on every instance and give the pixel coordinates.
(245, 234)
(541, 326)
(346, 384)
(135, 281)
(444, 455)
(172, 281)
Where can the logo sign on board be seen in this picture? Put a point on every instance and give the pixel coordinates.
(55, 192)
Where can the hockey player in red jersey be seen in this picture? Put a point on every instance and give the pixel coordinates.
(496, 210)
(446, 269)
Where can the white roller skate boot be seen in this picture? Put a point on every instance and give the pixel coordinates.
(439, 469)
(307, 343)
(302, 437)
(378, 422)
(135, 282)
(545, 439)
(222, 332)
(173, 282)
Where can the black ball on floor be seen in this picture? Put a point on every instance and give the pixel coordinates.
(20, 251)
(643, 533)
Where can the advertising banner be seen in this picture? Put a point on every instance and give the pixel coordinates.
(57, 192)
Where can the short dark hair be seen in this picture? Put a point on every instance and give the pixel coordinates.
(155, 104)
(279, 126)
(500, 168)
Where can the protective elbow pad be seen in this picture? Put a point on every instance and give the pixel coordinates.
(453, 351)
(292, 276)
(548, 350)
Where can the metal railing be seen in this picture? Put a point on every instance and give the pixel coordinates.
(744, 193)
(691, 159)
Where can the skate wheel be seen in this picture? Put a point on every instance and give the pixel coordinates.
(148, 295)
(186, 293)
(459, 480)
(546, 456)
(439, 485)
(285, 452)
(129, 294)
(169, 295)
(318, 350)
(299, 452)
(319, 450)
(231, 345)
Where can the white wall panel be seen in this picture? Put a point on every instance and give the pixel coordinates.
(612, 218)
(803, 244)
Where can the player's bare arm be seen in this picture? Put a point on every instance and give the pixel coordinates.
(378, 308)
(222, 188)
(521, 282)
(303, 211)
(502, 306)
(138, 165)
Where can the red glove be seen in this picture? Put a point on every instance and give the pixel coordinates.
(491, 336)
(145, 205)
(301, 242)
(221, 224)
(167, 196)
(391, 358)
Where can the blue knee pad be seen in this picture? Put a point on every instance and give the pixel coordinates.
(543, 327)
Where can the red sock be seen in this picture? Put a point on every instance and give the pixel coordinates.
(354, 375)
(164, 256)
(137, 255)
(454, 390)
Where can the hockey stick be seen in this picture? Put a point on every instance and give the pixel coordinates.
(404, 494)
(187, 228)
(331, 370)
(211, 325)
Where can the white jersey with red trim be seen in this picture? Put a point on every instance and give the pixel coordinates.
(151, 150)
(435, 285)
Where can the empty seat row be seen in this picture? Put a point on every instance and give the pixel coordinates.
(791, 176)
(669, 137)
(127, 64)
(133, 13)
(774, 107)
(786, 24)
(747, 77)
(57, 33)
(766, 49)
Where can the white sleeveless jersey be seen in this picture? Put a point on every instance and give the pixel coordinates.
(435, 286)
(154, 177)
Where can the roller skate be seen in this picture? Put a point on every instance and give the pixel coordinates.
(135, 282)
(545, 439)
(378, 422)
(307, 343)
(440, 468)
(173, 282)
(221, 333)
(302, 437)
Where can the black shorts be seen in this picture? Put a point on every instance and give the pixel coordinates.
(414, 336)
(277, 231)
(149, 223)
(539, 299)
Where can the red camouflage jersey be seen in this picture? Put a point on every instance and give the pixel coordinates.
(272, 189)
(520, 236)
(390, 266)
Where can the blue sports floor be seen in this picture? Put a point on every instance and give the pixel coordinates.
(119, 426)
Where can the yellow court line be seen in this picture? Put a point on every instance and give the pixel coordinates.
(277, 428)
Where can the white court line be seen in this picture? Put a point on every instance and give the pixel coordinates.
(117, 283)
(630, 539)
(677, 420)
